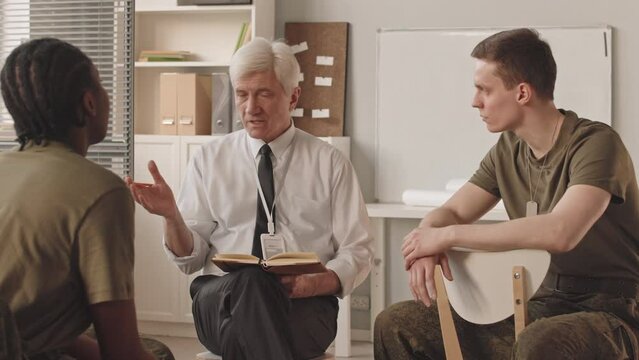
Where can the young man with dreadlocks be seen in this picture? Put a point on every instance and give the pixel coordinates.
(66, 224)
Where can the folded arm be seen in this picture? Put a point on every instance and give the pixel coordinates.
(448, 226)
(558, 231)
(421, 270)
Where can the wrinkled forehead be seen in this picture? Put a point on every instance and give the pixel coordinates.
(258, 80)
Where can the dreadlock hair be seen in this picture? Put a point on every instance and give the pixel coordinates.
(42, 84)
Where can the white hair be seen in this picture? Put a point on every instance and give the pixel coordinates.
(262, 55)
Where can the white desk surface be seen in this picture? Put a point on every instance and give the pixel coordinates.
(402, 211)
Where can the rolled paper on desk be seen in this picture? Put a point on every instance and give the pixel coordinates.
(425, 197)
(416, 197)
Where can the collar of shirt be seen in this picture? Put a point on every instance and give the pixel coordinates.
(278, 146)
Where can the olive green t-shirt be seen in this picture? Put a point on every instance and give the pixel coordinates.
(585, 152)
(66, 234)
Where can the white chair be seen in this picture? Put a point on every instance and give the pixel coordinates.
(487, 287)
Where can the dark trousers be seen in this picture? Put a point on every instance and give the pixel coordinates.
(562, 326)
(247, 315)
(10, 342)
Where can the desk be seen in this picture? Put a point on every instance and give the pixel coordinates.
(379, 215)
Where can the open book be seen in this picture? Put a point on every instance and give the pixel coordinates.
(293, 263)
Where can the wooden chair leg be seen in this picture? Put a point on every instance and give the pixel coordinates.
(449, 334)
(519, 299)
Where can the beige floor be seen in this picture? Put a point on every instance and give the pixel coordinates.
(187, 348)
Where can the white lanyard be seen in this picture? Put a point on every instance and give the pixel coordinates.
(269, 214)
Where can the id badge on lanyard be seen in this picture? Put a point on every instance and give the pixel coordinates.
(272, 244)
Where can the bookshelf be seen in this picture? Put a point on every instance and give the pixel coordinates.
(209, 32)
(181, 64)
(151, 7)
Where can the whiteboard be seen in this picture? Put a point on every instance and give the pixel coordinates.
(428, 133)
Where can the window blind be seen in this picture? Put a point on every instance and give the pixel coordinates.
(103, 30)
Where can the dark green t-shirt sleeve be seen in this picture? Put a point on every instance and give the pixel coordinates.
(602, 160)
(485, 177)
(105, 247)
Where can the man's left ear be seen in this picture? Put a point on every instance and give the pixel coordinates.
(89, 103)
(524, 93)
(295, 97)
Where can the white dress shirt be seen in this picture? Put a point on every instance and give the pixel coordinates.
(318, 203)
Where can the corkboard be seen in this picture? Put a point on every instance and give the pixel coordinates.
(327, 40)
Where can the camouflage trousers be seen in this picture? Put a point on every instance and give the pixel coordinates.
(152, 346)
(11, 346)
(561, 326)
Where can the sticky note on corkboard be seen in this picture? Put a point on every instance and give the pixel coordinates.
(321, 52)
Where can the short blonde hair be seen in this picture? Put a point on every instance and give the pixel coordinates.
(262, 55)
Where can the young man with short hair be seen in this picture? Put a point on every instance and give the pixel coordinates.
(569, 187)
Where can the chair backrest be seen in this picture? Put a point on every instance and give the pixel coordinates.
(10, 342)
(482, 290)
(487, 287)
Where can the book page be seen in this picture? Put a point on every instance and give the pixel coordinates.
(295, 255)
(238, 258)
(292, 258)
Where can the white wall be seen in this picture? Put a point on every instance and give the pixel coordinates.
(366, 16)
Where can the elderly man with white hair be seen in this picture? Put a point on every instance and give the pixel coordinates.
(311, 194)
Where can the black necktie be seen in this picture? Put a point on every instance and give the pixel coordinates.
(265, 174)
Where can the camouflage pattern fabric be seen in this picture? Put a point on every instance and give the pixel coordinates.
(561, 326)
